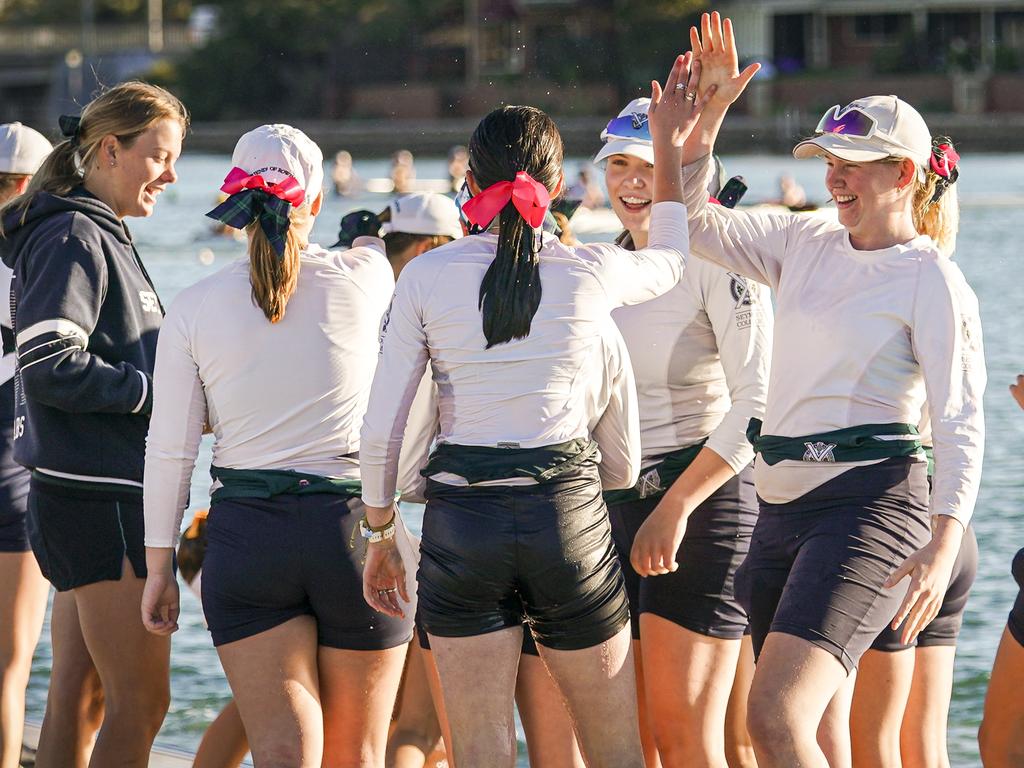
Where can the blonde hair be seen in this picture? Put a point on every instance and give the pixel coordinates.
(126, 111)
(273, 278)
(939, 219)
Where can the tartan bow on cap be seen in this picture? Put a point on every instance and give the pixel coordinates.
(251, 198)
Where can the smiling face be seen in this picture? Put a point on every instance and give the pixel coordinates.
(630, 182)
(141, 170)
(873, 199)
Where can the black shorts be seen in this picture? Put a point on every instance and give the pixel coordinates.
(1015, 623)
(494, 556)
(270, 560)
(13, 496)
(944, 629)
(817, 565)
(81, 536)
(699, 595)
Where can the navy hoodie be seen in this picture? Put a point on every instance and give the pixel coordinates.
(86, 318)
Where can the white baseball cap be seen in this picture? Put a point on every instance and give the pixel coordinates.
(22, 149)
(628, 134)
(423, 213)
(278, 151)
(872, 128)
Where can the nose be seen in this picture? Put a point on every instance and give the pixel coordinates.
(170, 175)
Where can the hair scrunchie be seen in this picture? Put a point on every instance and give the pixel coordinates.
(70, 128)
(944, 163)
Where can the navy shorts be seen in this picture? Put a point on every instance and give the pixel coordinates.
(14, 481)
(944, 629)
(81, 536)
(817, 564)
(699, 595)
(1015, 623)
(270, 560)
(492, 557)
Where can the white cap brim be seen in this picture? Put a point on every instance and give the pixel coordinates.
(843, 147)
(640, 149)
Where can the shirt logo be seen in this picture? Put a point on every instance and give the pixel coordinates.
(639, 119)
(149, 301)
(740, 289)
(649, 483)
(819, 451)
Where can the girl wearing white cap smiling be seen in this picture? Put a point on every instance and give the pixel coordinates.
(532, 381)
(871, 317)
(700, 354)
(275, 353)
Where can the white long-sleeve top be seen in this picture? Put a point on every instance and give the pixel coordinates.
(701, 354)
(861, 337)
(564, 381)
(286, 395)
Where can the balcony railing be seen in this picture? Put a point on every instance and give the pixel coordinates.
(102, 38)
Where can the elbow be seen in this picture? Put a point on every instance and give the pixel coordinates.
(39, 383)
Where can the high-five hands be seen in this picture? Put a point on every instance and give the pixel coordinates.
(674, 109)
(714, 49)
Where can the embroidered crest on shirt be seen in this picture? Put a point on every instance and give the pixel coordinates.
(819, 451)
(743, 295)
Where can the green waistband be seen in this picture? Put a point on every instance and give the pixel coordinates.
(657, 479)
(864, 442)
(267, 483)
(930, 453)
(480, 463)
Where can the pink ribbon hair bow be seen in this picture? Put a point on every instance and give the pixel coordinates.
(287, 189)
(529, 196)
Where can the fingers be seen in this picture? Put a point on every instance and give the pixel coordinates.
(699, 104)
(655, 97)
(695, 45)
(747, 75)
(705, 32)
(900, 573)
(925, 609)
(680, 68)
(716, 31)
(694, 76)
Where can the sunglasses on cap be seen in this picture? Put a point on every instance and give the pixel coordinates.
(847, 121)
(632, 126)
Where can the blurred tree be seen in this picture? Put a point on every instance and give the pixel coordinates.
(70, 11)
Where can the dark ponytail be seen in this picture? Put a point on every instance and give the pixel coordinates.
(509, 140)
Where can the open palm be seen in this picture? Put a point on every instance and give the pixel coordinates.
(714, 46)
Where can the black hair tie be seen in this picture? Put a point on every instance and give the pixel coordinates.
(71, 128)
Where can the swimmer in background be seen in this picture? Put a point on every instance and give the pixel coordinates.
(587, 190)
(343, 176)
(403, 172)
(458, 163)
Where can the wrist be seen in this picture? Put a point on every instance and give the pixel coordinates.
(947, 533)
(377, 517)
(159, 562)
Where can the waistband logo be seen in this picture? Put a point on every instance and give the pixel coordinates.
(819, 451)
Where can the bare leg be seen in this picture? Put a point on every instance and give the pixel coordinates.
(1003, 722)
(22, 607)
(74, 704)
(689, 679)
(133, 665)
(550, 739)
(739, 752)
(417, 729)
(599, 687)
(923, 738)
(430, 667)
(478, 681)
(647, 742)
(357, 692)
(224, 744)
(276, 685)
(834, 729)
(793, 685)
(879, 701)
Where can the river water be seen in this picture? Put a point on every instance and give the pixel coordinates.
(178, 250)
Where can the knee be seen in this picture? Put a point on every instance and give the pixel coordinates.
(145, 709)
(278, 754)
(997, 747)
(679, 744)
(770, 725)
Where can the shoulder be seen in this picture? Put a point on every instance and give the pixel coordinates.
(227, 278)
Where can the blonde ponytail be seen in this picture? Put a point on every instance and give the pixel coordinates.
(940, 219)
(274, 278)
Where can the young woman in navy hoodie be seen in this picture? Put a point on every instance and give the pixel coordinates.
(86, 317)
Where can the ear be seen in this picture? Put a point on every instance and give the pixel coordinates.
(560, 185)
(422, 246)
(317, 204)
(109, 146)
(21, 185)
(474, 188)
(908, 173)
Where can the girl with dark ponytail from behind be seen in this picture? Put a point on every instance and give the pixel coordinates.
(537, 410)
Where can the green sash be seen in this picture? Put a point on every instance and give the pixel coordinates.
(657, 479)
(864, 442)
(480, 463)
(267, 483)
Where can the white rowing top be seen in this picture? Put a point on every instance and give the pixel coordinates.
(563, 381)
(861, 337)
(701, 355)
(285, 395)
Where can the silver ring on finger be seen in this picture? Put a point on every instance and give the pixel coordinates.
(680, 86)
(690, 96)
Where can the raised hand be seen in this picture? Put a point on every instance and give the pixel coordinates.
(1017, 390)
(714, 47)
(674, 109)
